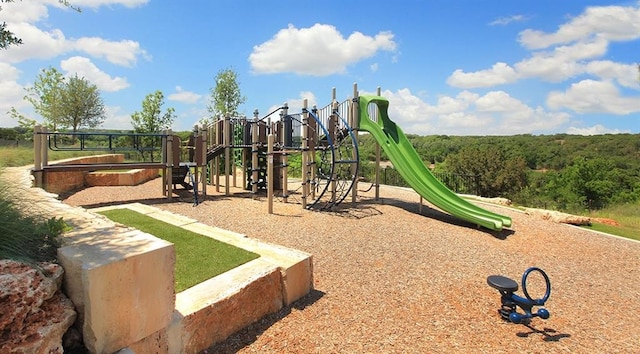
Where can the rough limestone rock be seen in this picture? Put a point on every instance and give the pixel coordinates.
(559, 217)
(34, 314)
(494, 200)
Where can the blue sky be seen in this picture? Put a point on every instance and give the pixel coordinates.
(447, 67)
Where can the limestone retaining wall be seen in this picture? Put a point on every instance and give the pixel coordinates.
(121, 280)
(65, 181)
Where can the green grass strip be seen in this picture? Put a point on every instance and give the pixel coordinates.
(615, 230)
(198, 257)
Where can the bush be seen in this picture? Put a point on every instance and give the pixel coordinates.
(25, 238)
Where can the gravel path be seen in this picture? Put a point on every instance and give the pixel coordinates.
(390, 280)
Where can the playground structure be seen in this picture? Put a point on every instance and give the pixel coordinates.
(320, 141)
(310, 156)
(169, 159)
(511, 302)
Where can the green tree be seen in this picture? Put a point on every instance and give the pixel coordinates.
(44, 95)
(593, 180)
(25, 124)
(64, 103)
(497, 175)
(8, 38)
(151, 119)
(226, 96)
(80, 105)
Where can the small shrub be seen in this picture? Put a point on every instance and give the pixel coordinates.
(27, 238)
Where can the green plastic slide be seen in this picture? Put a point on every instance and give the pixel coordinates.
(408, 163)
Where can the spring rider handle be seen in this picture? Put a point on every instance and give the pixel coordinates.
(511, 301)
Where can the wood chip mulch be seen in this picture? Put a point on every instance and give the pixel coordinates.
(389, 279)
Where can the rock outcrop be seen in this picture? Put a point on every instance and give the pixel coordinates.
(34, 313)
(559, 217)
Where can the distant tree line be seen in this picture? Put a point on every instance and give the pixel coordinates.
(564, 172)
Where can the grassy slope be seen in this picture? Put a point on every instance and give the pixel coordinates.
(23, 156)
(627, 215)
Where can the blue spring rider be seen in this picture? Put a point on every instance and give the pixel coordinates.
(511, 301)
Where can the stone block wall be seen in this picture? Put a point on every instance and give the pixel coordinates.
(121, 281)
(127, 178)
(64, 181)
(122, 284)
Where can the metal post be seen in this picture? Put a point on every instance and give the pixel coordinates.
(270, 141)
(245, 158)
(226, 134)
(163, 160)
(285, 157)
(203, 168)
(232, 144)
(377, 189)
(169, 164)
(334, 133)
(216, 161)
(37, 155)
(353, 121)
(44, 144)
(305, 154)
(255, 136)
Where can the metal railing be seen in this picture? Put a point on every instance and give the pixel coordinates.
(459, 183)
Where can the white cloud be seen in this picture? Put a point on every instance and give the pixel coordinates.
(23, 17)
(468, 113)
(597, 129)
(184, 96)
(500, 73)
(12, 93)
(556, 65)
(187, 119)
(27, 20)
(37, 44)
(452, 105)
(500, 102)
(591, 96)
(295, 105)
(318, 50)
(23, 11)
(612, 23)
(85, 68)
(563, 62)
(575, 51)
(124, 52)
(8, 72)
(98, 3)
(374, 67)
(116, 119)
(625, 75)
(503, 21)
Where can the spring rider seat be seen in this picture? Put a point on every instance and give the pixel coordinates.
(511, 301)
